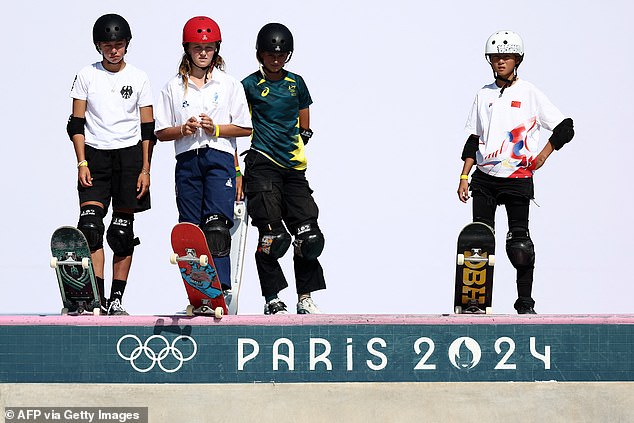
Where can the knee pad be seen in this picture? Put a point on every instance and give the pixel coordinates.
(520, 249)
(91, 225)
(216, 228)
(274, 240)
(309, 241)
(120, 234)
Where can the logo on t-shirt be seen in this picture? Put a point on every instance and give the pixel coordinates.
(517, 104)
(126, 91)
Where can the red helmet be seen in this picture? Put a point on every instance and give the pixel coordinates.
(201, 29)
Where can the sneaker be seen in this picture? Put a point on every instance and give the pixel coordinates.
(104, 308)
(116, 309)
(275, 306)
(228, 294)
(307, 306)
(525, 305)
(526, 310)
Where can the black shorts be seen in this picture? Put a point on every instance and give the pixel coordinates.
(497, 189)
(275, 193)
(114, 177)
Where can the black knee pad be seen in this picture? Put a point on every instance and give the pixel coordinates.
(309, 241)
(274, 240)
(216, 228)
(120, 235)
(91, 225)
(520, 249)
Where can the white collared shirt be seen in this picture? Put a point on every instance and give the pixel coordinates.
(222, 98)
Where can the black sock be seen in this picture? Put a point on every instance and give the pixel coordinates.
(101, 289)
(117, 289)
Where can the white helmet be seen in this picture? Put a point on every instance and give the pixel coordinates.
(501, 42)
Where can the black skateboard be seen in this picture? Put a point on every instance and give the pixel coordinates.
(474, 269)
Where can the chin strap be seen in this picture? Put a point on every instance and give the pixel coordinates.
(507, 82)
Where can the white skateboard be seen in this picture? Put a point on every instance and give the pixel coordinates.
(238, 246)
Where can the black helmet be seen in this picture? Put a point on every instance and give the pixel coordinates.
(111, 27)
(274, 37)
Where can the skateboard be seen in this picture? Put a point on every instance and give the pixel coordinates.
(197, 269)
(75, 275)
(238, 246)
(474, 269)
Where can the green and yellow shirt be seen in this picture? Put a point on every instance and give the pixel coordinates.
(275, 107)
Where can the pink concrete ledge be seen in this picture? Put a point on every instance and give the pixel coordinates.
(321, 319)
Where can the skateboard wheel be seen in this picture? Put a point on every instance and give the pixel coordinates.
(96, 311)
(460, 260)
(492, 260)
(54, 262)
(189, 310)
(64, 311)
(218, 312)
(174, 258)
(457, 310)
(489, 310)
(204, 260)
(85, 263)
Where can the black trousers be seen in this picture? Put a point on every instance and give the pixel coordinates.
(515, 194)
(276, 194)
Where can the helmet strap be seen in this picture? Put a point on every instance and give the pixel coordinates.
(507, 82)
(265, 72)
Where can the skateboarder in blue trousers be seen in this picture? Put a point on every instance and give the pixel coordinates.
(112, 130)
(279, 198)
(203, 110)
(503, 127)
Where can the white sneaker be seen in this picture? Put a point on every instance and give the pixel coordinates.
(116, 309)
(307, 306)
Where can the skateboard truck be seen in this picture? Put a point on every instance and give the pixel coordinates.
(191, 256)
(70, 260)
(205, 309)
(476, 258)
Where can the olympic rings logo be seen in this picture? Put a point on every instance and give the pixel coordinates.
(154, 357)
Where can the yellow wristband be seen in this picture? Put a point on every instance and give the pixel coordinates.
(464, 177)
(217, 131)
(83, 163)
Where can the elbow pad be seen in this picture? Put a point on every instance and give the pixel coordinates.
(470, 147)
(147, 131)
(562, 133)
(75, 126)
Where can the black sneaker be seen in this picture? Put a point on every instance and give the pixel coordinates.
(525, 305)
(275, 306)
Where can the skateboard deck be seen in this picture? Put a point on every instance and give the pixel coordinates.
(474, 269)
(197, 270)
(75, 275)
(238, 246)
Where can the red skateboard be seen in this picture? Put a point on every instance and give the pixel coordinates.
(197, 269)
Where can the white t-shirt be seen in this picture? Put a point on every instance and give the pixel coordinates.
(113, 102)
(222, 98)
(508, 126)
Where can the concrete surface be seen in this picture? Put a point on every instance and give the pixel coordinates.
(345, 402)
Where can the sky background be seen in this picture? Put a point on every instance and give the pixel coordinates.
(392, 84)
